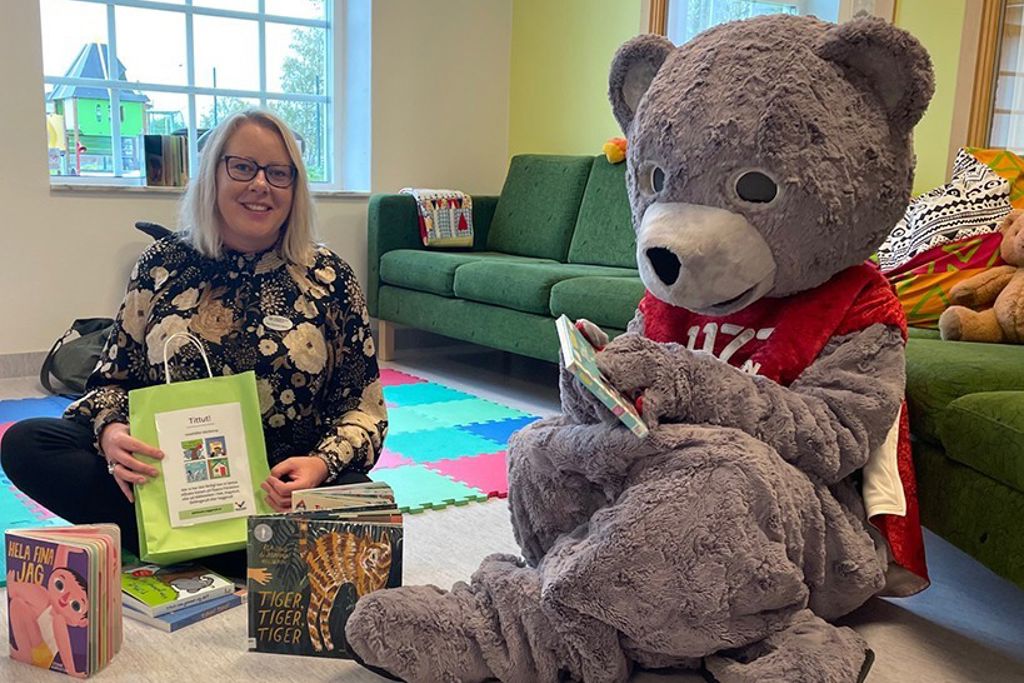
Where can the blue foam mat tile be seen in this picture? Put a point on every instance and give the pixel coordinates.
(499, 431)
(23, 408)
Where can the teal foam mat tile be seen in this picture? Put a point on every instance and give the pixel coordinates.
(418, 488)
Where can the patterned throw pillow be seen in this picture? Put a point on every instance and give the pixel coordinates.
(972, 203)
(923, 283)
(1007, 165)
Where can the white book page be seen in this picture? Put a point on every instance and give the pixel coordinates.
(206, 464)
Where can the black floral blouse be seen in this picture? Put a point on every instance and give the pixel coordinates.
(303, 329)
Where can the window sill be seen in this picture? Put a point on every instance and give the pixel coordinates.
(144, 189)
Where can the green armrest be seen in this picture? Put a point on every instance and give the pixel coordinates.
(392, 224)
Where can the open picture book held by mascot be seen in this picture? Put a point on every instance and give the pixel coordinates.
(767, 160)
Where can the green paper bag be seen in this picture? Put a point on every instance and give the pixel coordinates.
(215, 458)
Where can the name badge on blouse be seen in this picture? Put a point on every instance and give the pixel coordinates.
(278, 322)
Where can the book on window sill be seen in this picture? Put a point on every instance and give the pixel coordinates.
(166, 160)
(186, 616)
(579, 358)
(154, 590)
(63, 598)
(307, 569)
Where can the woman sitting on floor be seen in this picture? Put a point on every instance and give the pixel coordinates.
(247, 278)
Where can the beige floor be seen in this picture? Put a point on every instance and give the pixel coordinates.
(969, 626)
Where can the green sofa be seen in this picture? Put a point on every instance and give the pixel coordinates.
(559, 240)
(967, 418)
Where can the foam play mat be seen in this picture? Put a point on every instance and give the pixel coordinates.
(444, 447)
(16, 509)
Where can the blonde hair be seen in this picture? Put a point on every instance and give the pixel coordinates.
(198, 213)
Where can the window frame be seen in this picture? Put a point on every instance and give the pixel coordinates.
(191, 91)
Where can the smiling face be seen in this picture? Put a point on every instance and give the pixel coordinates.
(251, 213)
(68, 598)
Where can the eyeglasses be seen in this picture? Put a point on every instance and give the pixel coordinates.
(244, 170)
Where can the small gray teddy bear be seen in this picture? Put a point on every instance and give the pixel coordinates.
(767, 160)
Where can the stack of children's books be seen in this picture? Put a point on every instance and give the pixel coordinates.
(174, 596)
(308, 568)
(63, 598)
(166, 160)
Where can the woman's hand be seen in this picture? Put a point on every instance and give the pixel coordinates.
(118, 446)
(294, 474)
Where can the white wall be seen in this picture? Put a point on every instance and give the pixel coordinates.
(440, 119)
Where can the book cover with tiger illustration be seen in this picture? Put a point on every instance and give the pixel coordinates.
(306, 572)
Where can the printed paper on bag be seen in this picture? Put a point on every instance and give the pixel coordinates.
(206, 466)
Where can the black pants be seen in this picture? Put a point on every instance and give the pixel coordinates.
(53, 462)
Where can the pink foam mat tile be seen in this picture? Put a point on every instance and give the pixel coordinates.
(390, 378)
(388, 458)
(487, 472)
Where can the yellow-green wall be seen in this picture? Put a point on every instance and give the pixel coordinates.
(561, 52)
(938, 24)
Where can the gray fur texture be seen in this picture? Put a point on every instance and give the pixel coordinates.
(729, 535)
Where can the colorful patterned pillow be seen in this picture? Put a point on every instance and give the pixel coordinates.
(1007, 165)
(972, 203)
(923, 283)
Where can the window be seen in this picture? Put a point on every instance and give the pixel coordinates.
(687, 18)
(1007, 115)
(178, 67)
(681, 20)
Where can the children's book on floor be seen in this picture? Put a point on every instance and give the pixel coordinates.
(154, 590)
(579, 358)
(186, 616)
(64, 597)
(368, 496)
(308, 569)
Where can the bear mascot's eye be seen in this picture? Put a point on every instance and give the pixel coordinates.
(755, 187)
(651, 178)
(657, 179)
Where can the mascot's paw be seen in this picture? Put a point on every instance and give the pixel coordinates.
(809, 650)
(417, 633)
(655, 375)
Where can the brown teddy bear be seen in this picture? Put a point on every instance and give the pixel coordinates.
(1001, 287)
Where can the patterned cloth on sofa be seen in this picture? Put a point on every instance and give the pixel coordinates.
(445, 217)
(923, 283)
(1007, 165)
(971, 204)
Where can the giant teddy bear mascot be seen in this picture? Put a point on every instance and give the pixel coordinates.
(767, 160)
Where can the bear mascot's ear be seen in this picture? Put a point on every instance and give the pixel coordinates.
(880, 58)
(633, 68)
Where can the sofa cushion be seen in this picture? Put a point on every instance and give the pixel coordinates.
(986, 431)
(939, 372)
(434, 271)
(604, 229)
(537, 208)
(522, 286)
(610, 302)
